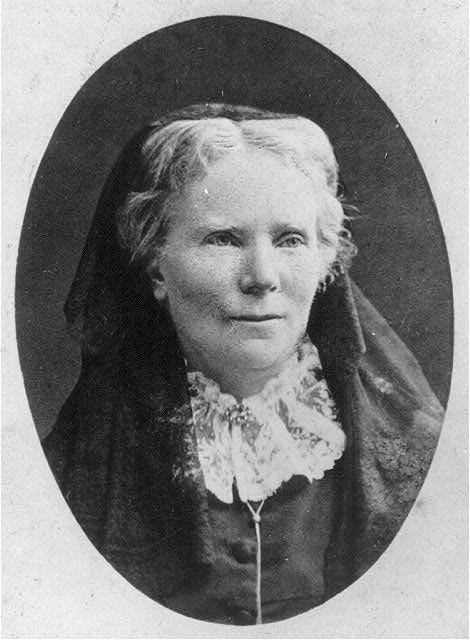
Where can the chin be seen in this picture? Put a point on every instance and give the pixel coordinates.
(256, 354)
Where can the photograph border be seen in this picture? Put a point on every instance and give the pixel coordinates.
(30, 580)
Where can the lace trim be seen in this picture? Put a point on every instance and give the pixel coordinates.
(289, 428)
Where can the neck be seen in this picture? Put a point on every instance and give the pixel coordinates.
(240, 382)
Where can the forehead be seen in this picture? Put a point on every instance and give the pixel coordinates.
(248, 188)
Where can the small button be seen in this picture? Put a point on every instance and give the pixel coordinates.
(244, 551)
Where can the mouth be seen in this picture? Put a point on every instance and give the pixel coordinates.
(257, 318)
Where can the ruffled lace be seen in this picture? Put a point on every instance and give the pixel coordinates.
(290, 428)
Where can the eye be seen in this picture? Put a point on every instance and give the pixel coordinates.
(222, 239)
(292, 241)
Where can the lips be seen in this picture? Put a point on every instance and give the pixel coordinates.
(257, 318)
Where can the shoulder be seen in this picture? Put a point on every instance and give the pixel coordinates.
(88, 422)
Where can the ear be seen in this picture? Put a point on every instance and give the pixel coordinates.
(328, 258)
(158, 283)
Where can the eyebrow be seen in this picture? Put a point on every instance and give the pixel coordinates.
(290, 226)
(278, 228)
(211, 226)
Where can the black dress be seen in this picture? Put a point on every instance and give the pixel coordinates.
(296, 525)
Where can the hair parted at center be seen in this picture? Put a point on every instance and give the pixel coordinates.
(180, 148)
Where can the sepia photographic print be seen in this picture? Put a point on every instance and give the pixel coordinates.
(237, 343)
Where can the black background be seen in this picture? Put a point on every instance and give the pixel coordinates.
(402, 264)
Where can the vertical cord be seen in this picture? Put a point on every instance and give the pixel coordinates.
(257, 519)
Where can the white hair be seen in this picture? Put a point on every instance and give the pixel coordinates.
(182, 151)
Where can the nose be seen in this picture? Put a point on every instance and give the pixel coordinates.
(260, 271)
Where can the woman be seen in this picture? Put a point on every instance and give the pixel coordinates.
(247, 434)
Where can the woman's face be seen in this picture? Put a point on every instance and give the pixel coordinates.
(241, 264)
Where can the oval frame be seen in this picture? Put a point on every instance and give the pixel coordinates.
(386, 134)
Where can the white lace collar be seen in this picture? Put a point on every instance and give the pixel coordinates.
(289, 428)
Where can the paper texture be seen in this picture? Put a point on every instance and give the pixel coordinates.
(55, 584)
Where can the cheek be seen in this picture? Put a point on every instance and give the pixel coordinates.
(195, 281)
(305, 274)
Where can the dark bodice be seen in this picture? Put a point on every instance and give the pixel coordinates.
(296, 524)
